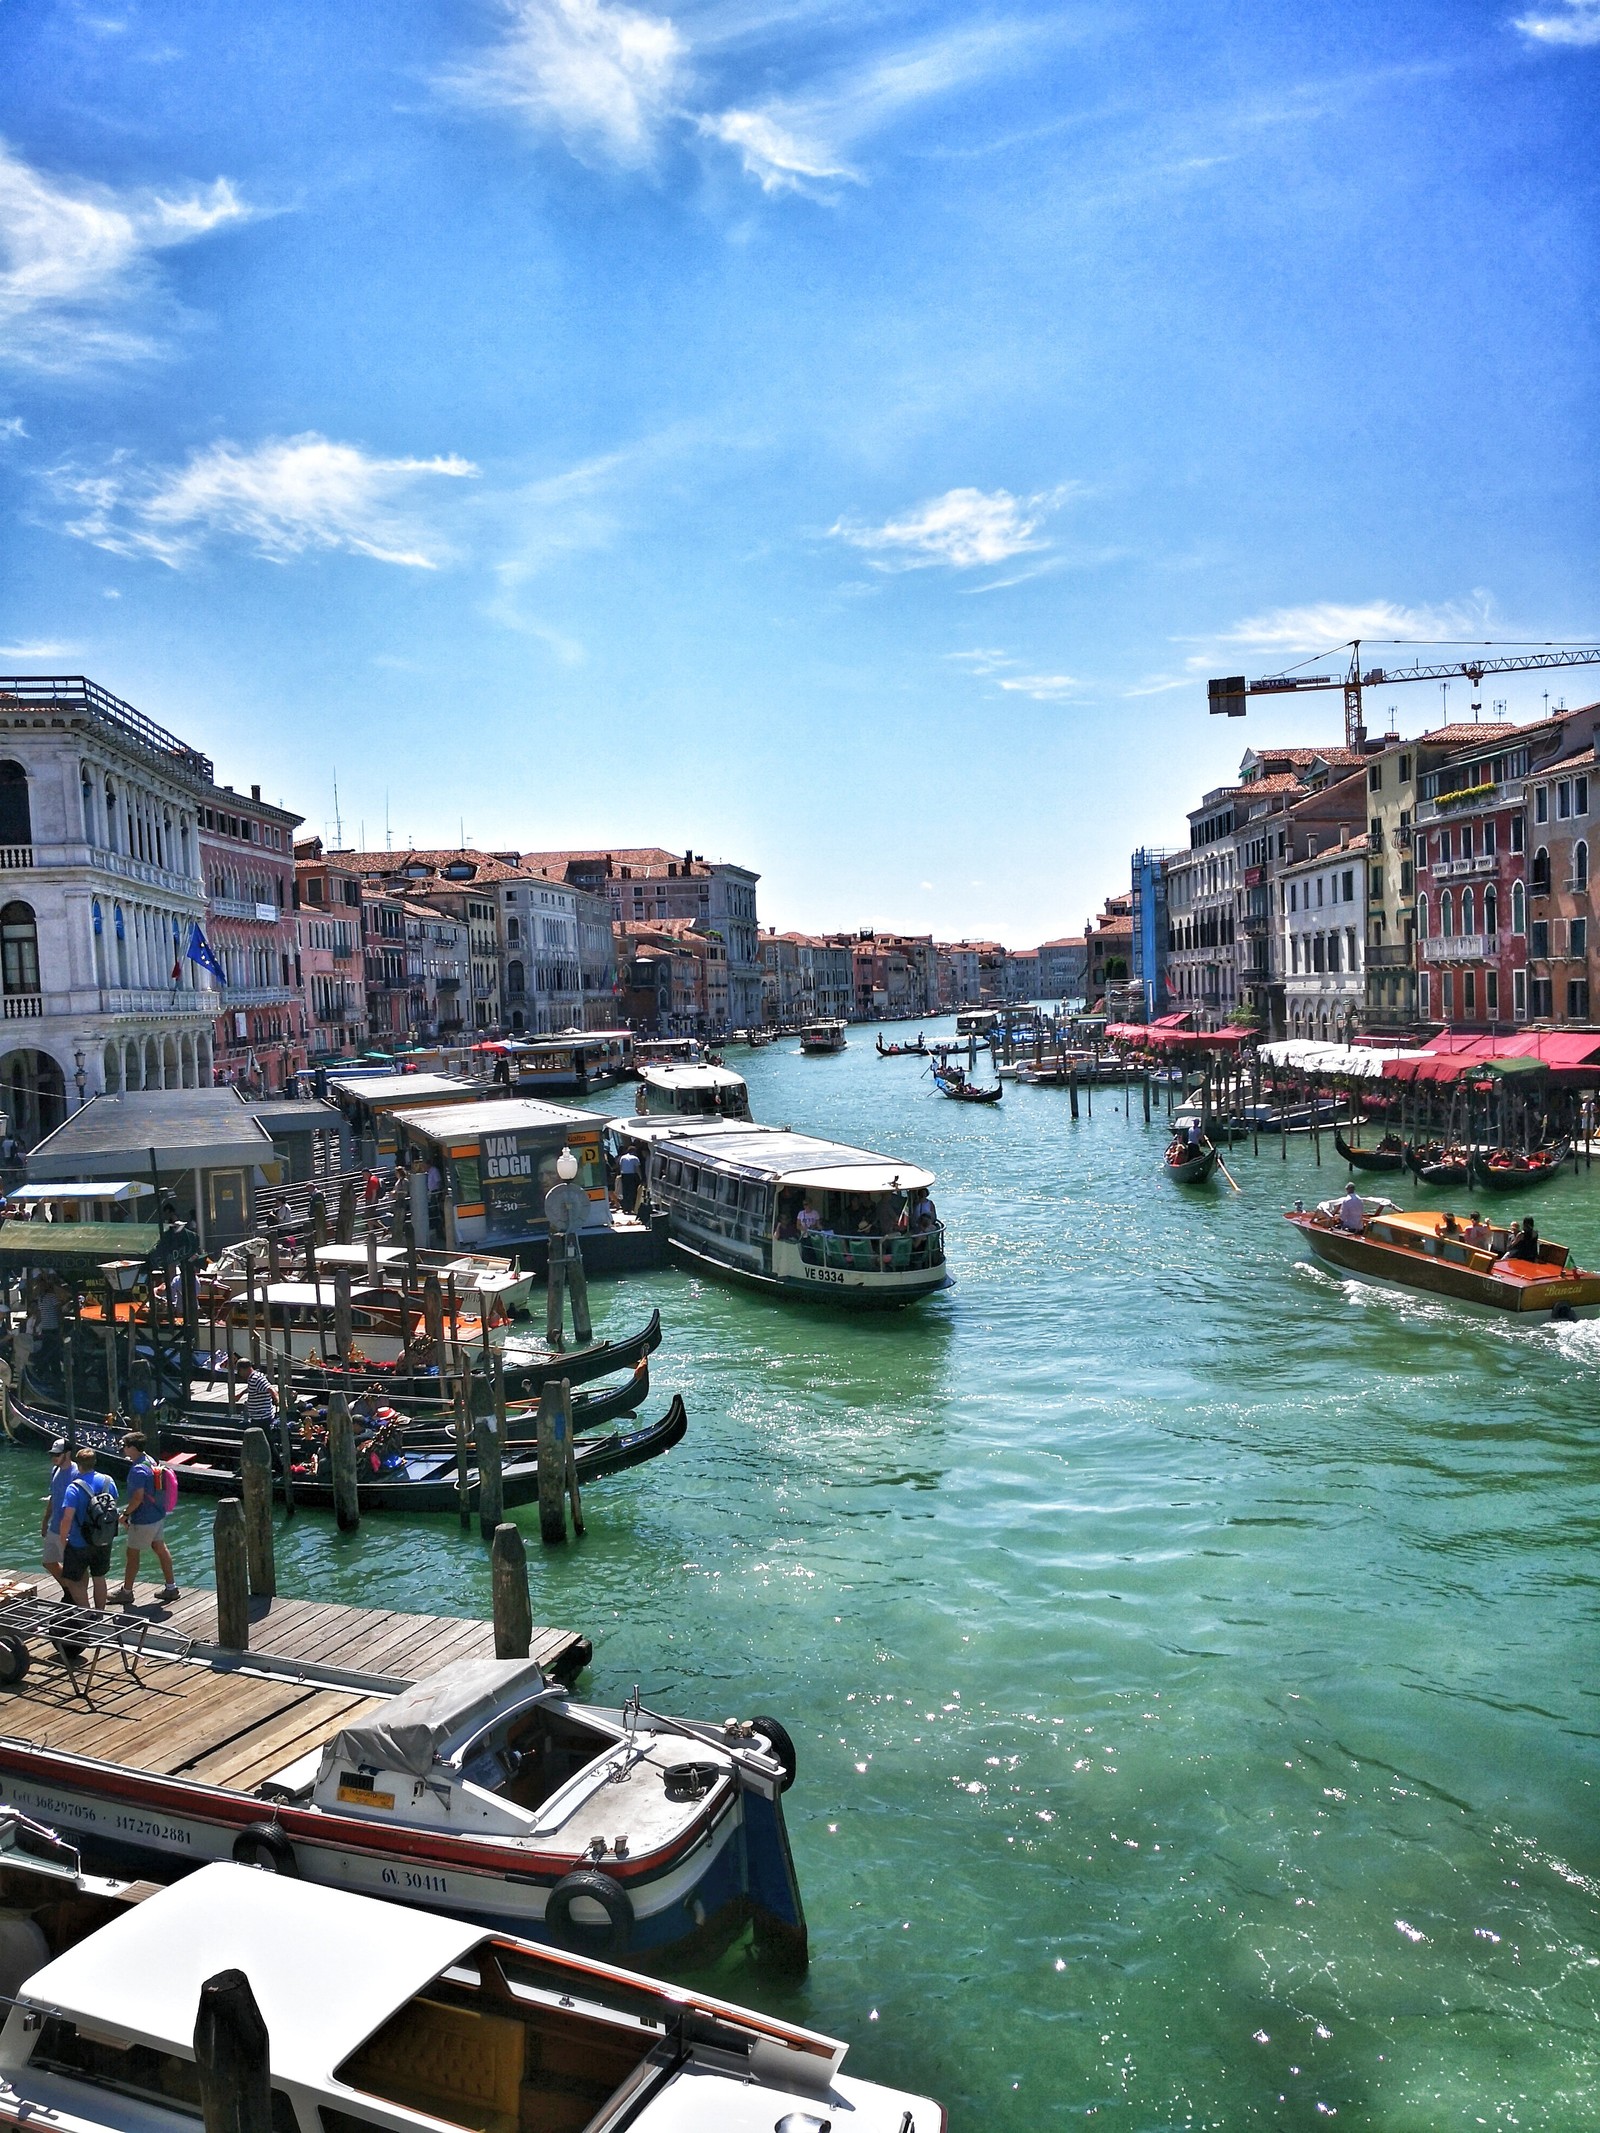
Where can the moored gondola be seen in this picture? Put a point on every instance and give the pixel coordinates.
(421, 1482)
(1440, 1165)
(1503, 1171)
(902, 1051)
(1390, 1153)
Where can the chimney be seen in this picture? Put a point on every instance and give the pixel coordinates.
(255, 792)
(1344, 835)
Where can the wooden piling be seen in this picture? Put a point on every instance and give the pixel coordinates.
(433, 1315)
(343, 1327)
(573, 1493)
(319, 1221)
(231, 2057)
(491, 1453)
(508, 1583)
(233, 1575)
(345, 1229)
(552, 1468)
(256, 1477)
(286, 1413)
(1145, 1079)
(342, 1460)
(1072, 1089)
(463, 1403)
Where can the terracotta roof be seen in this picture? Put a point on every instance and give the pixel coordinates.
(1067, 940)
(1305, 757)
(395, 866)
(645, 860)
(1469, 732)
(1280, 781)
(1567, 762)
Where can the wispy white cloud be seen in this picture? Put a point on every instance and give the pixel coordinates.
(1572, 22)
(604, 78)
(1326, 623)
(799, 142)
(964, 529)
(11, 428)
(1000, 667)
(282, 498)
(75, 262)
(31, 653)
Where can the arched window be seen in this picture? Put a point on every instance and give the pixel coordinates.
(1519, 908)
(16, 820)
(1447, 914)
(86, 795)
(119, 927)
(1491, 909)
(111, 816)
(1467, 913)
(19, 950)
(515, 983)
(1539, 873)
(1580, 864)
(1422, 918)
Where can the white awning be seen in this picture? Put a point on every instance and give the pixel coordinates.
(90, 1189)
(1349, 1062)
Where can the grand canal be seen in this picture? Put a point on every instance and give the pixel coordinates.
(1190, 1656)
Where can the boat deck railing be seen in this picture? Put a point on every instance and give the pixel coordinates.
(902, 1252)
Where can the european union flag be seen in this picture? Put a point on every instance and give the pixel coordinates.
(199, 952)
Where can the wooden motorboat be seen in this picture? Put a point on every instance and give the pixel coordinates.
(381, 2016)
(901, 1051)
(390, 1475)
(1190, 1166)
(1390, 1153)
(480, 1791)
(1441, 1164)
(1503, 1171)
(951, 1082)
(1430, 1252)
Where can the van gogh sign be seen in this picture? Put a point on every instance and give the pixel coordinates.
(503, 1158)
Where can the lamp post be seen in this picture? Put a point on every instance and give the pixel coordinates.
(80, 1076)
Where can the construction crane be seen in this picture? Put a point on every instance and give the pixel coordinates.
(1229, 693)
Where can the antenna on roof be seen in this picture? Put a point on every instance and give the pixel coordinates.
(338, 824)
(388, 833)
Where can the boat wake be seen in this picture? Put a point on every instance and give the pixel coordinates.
(1577, 1341)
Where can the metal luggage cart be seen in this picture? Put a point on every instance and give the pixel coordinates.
(77, 1635)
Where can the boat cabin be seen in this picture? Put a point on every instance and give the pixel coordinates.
(498, 1160)
(387, 2016)
(823, 1037)
(692, 1092)
(370, 1101)
(787, 1211)
(977, 1021)
(570, 1064)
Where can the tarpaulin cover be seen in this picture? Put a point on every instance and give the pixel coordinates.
(407, 1732)
(1343, 1061)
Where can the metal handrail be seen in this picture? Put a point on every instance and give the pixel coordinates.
(77, 690)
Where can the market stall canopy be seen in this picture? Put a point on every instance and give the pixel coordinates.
(119, 1190)
(1452, 1054)
(74, 1247)
(1334, 1061)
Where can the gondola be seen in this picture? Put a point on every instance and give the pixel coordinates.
(1190, 1168)
(1440, 1165)
(902, 1051)
(961, 1091)
(1517, 1173)
(1390, 1153)
(425, 1482)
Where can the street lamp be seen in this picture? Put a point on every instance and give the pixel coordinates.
(79, 1076)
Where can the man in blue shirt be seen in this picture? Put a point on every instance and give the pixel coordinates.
(62, 1475)
(144, 1518)
(88, 1509)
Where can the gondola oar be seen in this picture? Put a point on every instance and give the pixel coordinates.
(1222, 1166)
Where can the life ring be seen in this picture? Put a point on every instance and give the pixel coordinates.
(582, 1935)
(781, 1744)
(264, 1845)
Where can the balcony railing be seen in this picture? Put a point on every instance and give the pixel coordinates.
(256, 996)
(1460, 947)
(157, 1000)
(1389, 958)
(1448, 805)
(240, 907)
(24, 1006)
(14, 858)
(900, 1253)
(1447, 869)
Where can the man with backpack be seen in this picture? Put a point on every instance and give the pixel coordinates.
(152, 1493)
(89, 1521)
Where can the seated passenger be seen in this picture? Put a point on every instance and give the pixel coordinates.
(1476, 1232)
(1352, 1214)
(808, 1221)
(1449, 1227)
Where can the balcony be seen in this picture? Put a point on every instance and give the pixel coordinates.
(24, 1006)
(158, 1000)
(255, 996)
(1448, 869)
(1448, 805)
(1461, 948)
(1390, 958)
(15, 858)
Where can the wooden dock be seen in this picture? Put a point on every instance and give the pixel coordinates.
(225, 1724)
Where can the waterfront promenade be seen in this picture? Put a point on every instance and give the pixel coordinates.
(1185, 1651)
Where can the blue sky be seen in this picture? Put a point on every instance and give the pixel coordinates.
(841, 437)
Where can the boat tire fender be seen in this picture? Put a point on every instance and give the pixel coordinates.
(14, 1659)
(578, 1934)
(780, 1741)
(264, 1845)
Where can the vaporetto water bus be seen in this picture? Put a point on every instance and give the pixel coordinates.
(784, 1211)
(692, 1092)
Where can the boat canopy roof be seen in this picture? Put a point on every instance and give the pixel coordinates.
(690, 1077)
(412, 1730)
(511, 1114)
(788, 1158)
(385, 1091)
(328, 1968)
(88, 1189)
(1352, 1062)
(305, 1294)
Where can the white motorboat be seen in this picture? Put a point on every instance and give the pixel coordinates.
(378, 2017)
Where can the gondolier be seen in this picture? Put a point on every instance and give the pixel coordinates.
(566, 1210)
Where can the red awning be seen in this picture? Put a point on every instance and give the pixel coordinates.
(1171, 1021)
(1455, 1052)
(1228, 1038)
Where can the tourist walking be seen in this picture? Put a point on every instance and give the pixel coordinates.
(88, 1526)
(150, 1491)
(62, 1476)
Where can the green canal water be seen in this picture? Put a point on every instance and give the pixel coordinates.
(1191, 1656)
